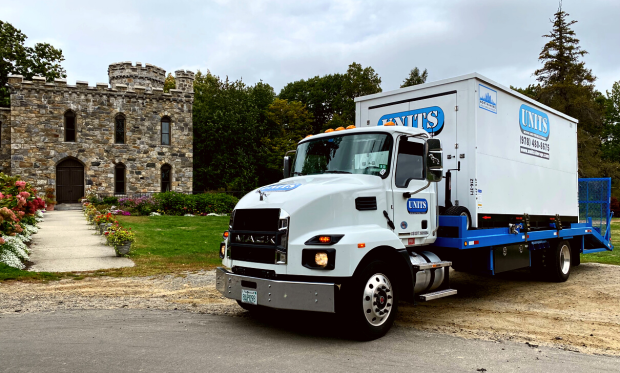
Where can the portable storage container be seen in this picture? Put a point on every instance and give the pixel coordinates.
(516, 155)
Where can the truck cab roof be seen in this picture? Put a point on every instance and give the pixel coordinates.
(388, 129)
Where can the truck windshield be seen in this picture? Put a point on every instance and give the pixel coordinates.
(347, 154)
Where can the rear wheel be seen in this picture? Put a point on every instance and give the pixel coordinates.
(559, 262)
(459, 211)
(372, 302)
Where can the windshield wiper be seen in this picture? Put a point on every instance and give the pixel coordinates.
(336, 172)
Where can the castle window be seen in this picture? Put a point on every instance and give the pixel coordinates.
(70, 126)
(119, 179)
(119, 129)
(166, 171)
(165, 131)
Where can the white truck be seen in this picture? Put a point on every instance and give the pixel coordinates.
(461, 172)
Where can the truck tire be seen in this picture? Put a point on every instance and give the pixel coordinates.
(459, 210)
(558, 262)
(372, 302)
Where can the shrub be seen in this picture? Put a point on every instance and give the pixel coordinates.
(110, 200)
(173, 203)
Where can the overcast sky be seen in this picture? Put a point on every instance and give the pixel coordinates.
(281, 41)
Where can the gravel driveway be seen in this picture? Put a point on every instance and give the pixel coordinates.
(581, 314)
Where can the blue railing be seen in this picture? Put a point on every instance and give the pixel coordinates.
(595, 203)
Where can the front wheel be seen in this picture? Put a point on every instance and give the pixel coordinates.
(372, 302)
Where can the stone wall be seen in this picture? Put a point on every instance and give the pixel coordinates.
(37, 133)
(5, 140)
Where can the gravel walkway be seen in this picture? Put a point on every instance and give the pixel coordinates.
(66, 243)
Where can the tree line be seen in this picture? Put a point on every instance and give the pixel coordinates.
(241, 131)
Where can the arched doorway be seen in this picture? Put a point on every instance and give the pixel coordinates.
(69, 181)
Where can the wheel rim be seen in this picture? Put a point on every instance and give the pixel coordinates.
(466, 217)
(565, 259)
(378, 299)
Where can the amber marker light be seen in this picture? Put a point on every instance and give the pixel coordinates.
(308, 136)
(329, 130)
(321, 259)
(226, 234)
(361, 245)
(340, 129)
(390, 124)
(325, 239)
(351, 127)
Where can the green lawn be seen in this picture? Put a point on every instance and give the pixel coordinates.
(173, 243)
(608, 257)
(10, 273)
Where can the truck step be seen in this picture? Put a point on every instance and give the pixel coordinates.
(432, 265)
(437, 295)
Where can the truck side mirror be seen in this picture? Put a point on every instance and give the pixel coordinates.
(287, 167)
(434, 160)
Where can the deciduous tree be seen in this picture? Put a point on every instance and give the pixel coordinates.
(15, 58)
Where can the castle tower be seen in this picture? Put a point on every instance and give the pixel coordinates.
(184, 80)
(148, 76)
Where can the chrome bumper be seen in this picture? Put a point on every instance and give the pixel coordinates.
(288, 295)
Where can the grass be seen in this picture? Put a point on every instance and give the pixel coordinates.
(10, 273)
(164, 244)
(168, 244)
(607, 257)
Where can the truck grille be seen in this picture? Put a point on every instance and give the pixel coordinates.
(255, 236)
(256, 254)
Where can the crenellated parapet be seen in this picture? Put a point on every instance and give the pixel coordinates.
(148, 76)
(20, 86)
(184, 80)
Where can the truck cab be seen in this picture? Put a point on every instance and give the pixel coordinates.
(344, 231)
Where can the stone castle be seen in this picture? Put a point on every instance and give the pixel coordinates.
(122, 138)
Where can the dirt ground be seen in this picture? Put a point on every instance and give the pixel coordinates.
(582, 314)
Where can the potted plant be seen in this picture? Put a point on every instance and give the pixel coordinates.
(121, 239)
(50, 199)
(103, 221)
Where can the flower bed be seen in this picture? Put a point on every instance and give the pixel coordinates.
(20, 211)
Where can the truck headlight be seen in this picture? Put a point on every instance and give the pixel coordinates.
(321, 259)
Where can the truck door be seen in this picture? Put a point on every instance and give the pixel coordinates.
(436, 115)
(413, 216)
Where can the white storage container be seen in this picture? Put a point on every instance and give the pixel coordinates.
(516, 155)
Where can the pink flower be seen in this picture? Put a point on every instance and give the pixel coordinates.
(2, 241)
(24, 194)
(20, 184)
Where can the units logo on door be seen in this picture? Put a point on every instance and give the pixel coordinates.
(487, 98)
(535, 127)
(417, 206)
(430, 119)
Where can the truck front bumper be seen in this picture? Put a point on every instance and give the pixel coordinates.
(288, 295)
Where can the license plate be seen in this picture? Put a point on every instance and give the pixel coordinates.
(249, 296)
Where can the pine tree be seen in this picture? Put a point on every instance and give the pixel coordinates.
(415, 77)
(566, 85)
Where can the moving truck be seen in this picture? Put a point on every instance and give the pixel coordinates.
(461, 173)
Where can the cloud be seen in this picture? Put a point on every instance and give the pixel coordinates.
(280, 41)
